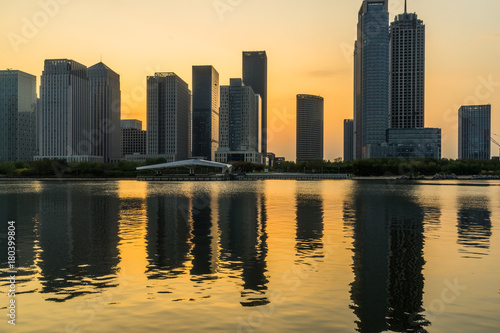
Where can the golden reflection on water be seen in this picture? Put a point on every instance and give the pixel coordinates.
(258, 256)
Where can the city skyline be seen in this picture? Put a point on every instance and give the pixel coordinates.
(457, 74)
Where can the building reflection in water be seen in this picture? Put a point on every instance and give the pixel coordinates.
(168, 234)
(310, 214)
(220, 234)
(78, 230)
(20, 207)
(388, 232)
(243, 242)
(474, 226)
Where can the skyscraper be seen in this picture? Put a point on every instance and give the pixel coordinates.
(255, 76)
(310, 128)
(105, 111)
(348, 140)
(205, 112)
(371, 76)
(239, 124)
(64, 119)
(474, 132)
(18, 104)
(407, 72)
(168, 117)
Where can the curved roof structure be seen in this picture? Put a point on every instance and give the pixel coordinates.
(188, 164)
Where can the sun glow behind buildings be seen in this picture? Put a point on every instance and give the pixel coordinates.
(309, 47)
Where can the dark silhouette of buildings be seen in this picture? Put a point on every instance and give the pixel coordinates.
(206, 95)
(310, 128)
(255, 76)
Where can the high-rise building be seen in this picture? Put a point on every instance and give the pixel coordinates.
(407, 72)
(310, 128)
(18, 105)
(133, 138)
(105, 112)
(255, 76)
(239, 124)
(64, 119)
(205, 112)
(168, 117)
(474, 132)
(348, 140)
(371, 76)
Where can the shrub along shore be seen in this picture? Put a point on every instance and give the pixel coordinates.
(360, 168)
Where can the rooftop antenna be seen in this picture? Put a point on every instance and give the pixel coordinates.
(405, 6)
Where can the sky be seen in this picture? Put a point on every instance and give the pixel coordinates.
(309, 46)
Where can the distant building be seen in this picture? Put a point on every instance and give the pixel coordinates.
(168, 117)
(255, 76)
(105, 111)
(64, 119)
(474, 132)
(407, 72)
(18, 106)
(278, 160)
(371, 76)
(310, 128)
(239, 124)
(133, 138)
(205, 112)
(348, 140)
(415, 143)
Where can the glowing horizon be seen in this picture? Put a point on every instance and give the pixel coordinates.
(309, 48)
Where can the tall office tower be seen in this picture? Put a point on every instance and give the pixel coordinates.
(133, 137)
(18, 103)
(348, 140)
(255, 76)
(310, 128)
(105, 111)
(474, 132)
(64, 120)
(205, 112)
(168, 117)
(239, 124)
(407, 72)
(371, 77)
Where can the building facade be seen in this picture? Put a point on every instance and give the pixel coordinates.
(105, 111)
(168, 117)
(414, 143)
(133, 138)
(474, 132)
(255, 76)
(348, 140)
(310, 128)
(206, 94)
(64, 121)
(18, 106)
(371, 76)
(407, 72)
(239, 124)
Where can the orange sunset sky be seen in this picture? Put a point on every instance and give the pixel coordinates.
(309, 46)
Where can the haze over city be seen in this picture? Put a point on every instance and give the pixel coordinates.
(309, 47)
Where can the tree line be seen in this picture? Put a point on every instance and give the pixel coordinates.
(368, 167)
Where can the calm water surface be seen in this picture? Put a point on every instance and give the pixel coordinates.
(271, 256)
